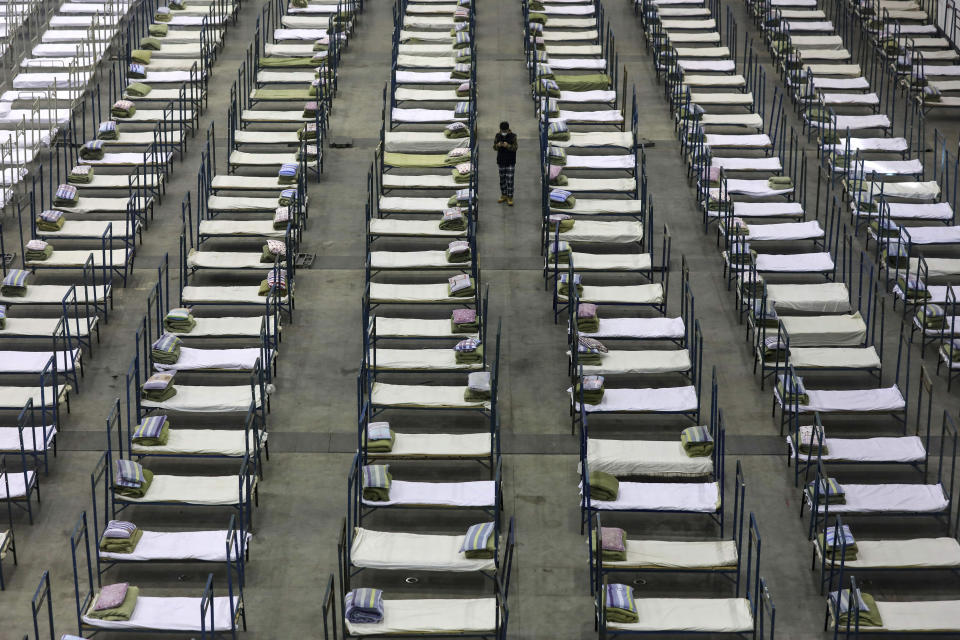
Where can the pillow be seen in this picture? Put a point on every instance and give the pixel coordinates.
(111, 596)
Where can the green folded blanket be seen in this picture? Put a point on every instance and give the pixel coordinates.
(850, 551)
(377, 494)
(140, 56)
(121, 613)
(44, 225)
(593, 396)
(791, 397)
(468, 292)
(123, 113)
(150, 44)
(914, 292)
(11, 291)
(869, 618)
(586, 82)
(588, 325)
(121, 545)
(86, 153)
(160, 441)
(165, 357)
(538, 17)
(780, 182)
(486, 553)
(468, 327)
(459, 132)
(460, 224)
(562, 256)
(179, 326)
(80, 178)
(159, 395)
(603, 486)
(569, 203)
(458, 258)
(31, 255)
(158, 30)
(380, 446)
(606, 554)
(138, 89)
(469, 395)
(469, 357)
(564, 289)
(136, 492)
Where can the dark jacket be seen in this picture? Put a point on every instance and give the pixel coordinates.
(506, 157)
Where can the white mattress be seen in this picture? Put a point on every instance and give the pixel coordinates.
(419, 360)
(195, 490)
(610, 261)
(601, 162)
(427, 95)
(917, 553)
(767, 209)
(78, 258)
(649, 361)
(884, 400)
(422, 396)
(227, 295)
(623, 294)
(413, 228)
(887, 498)
(770, 164)
(35, 361)
(694, 497)
(422, 142)
(643, 328)
(654, 458)
(240, 326)
(52, 294)
(819, 262)
(919, 616)
(412, 552)
(396, 204)
(615, 139)
(880, 121)
(219, 442)
(169, 614)
(612, 231)
(243, 203)
(439, 445)
(415, 328)
(426, 77)
(808, 230)
(42, 436)
(226, 260)
(424, 115)
(394, 181)
(828, 297)
(825, 331)
(835, 358)
(221, 359)
(902, 449)
(679, 554)
(247, 182)
(235, 228)
(207, 399)
(597, 116)
(932, 235)
(704, 615)
(478, 493)
(742, 141)
(424, 617)
(413, 293)
(649, 400)
(18, 484)
(206, 546)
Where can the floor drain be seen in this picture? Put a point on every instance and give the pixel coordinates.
(411, 580)
(8, 258)
(305, 260)
(639, 581)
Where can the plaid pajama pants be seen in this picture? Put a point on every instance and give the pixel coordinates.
(506, 180)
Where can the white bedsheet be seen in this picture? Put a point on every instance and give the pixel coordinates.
(705, 615)
(35, 361)
(654, 458)
(439, 445)
(648, 400)
(220, 359)
(219, 442)
(643, 328)
(206, 546)
(18, 484)
(828, 297)
(641, 361)
(207, 399)
(412, 551)
(847, 330)
(418, 359)
(887, 498)
(678, 554)
(478, 493)
(916, 553)
(169, 614)
(195, 490)
(422, 396)
(920, 616)
(694, 497)
(819, 262)
(808, 230)
(42, 436)
(901, 449)
(601, 162)
(425, 617)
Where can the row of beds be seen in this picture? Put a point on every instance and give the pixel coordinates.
(230, 382)
(611, 287)
(422, 272)
(66, 309)
(824, 329)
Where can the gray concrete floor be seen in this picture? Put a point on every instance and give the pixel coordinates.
(312, 426)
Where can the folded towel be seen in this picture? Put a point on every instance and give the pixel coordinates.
(80, 174)
(619, 605)
(124, 108)
(458, 252)
(453, 220)
(869, 615)
(791, 389)
(363, 606)
(92, 150)
(592, 387)
(603, 486)
(831, 491)
(613, 544)
(166, 349)
(14, 283)
(479, 542)
(696, 441)
(65, 196)
(913, 287)
(376, 482)
(138, 89)
(141, 56)
(121, 545)
(154, 431)
(158, 30)
(461, 286)
(379, 437)
(119, 613)
(179, 320)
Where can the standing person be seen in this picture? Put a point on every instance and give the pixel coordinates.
(505, 143)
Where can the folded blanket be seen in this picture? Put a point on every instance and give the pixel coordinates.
(558, 131)
(780, 182)
(138, 491)
(619, 605)
(287, 197)
(556, 156)
(158, 30)
(592, 387)
(585, 82)
(376, 482)
(80, 174)
(603, 486)
(124, 108)
(456, 130)
(461, 198)
(559, 251)
(461, 286)
(468, 351)
(562, 199)
(154, 431)
(39, 254)
(166, 349)
(464, 321)
(588, 319)
(138, 89)
(119, 529)
(831, 491)
(92, 150)
(791, 389)
(310, 109)
(159, 387)
(458, 252)
(540, 18)
(869, 615)
(453, 220)
(107, 130)
(363, 606)
(288, 173)
(546, 87)
(479, 542)
(65, 196)
(913, 287)
(564, 221)
(590, 351)
(461, 71)
(14, 283)
(162, 14)
(478, 387)
(833, 552)
(808, 442)
(121, 545)
(179, 320)
(951, 350)
(696, 441)
(379, 437)
(50, 220)
(150, 43)
(140, 56)
(564, 284)
(121, 612)
(272, 250)
(613, 544)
